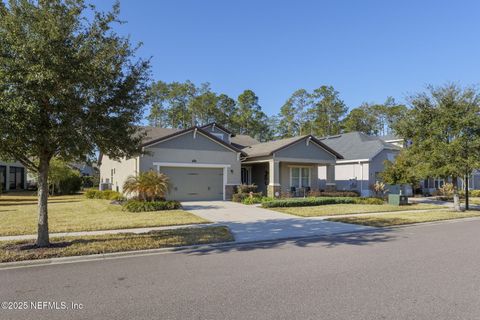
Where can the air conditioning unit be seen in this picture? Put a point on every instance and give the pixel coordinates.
(105, 186)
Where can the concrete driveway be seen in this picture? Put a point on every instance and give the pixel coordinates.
(250, 223)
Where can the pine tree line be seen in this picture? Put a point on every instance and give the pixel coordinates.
(321, 112)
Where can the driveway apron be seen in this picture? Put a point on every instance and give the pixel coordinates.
(251, 223)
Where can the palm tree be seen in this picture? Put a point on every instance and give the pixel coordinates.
(148, 186)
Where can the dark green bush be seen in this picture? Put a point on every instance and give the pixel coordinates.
(70, 185)
(316, 193)
(144, 206)
(320, 201)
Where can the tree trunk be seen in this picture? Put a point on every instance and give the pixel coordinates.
(42, 235)
(466, 192)
(456, 198)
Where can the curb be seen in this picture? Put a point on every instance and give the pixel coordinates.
(202, 247)
(148, 252)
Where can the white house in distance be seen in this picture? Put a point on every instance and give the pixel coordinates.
(364, 158)
(13, 176)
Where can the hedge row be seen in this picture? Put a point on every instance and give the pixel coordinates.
(105, 194)
(145, 206)
(320, 201)
(333, 194)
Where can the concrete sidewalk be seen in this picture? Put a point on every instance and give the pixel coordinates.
(251, 223)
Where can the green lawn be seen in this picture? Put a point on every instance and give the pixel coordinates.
(18, 215)
(386, 220)
(75, 246)
(341, 209)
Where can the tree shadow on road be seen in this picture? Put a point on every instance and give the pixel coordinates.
(300, 233)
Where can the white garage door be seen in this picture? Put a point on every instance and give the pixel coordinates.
(189, 183)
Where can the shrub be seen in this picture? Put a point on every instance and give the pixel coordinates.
(92, 194)
(70, 185)
(305, 202)
(319, 201)
(146, 206)
(246, 188)
(148, 186)
(475, 193)
(378, 188)
(317, 193)
(446, 190)
(252, 200)
(105, 194)
(239, 197)
(117, 198)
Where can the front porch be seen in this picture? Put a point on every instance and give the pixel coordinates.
(289, 178)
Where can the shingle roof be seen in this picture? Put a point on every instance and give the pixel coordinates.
(160, 135)
(241, 141)
(156, 133)
(267, 148)
(357, 145)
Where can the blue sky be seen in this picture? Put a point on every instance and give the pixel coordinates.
(367, 50)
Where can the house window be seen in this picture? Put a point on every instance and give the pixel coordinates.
(246, 173)
(3, 178)
(439, 183)
(17, 178)
(299, 177)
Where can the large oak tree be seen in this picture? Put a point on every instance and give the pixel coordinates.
(442, 128)
(69, 86)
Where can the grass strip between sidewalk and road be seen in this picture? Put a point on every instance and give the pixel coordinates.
(86, 245)
(19, 215)
(341, 209)
(395, 219)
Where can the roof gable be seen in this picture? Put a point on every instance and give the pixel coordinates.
(195, 131)
(268, 148)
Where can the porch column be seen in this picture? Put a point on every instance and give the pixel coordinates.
(330, 185)
(274, 178)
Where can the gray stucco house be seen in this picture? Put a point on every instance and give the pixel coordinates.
(364, 158)
(207, 163)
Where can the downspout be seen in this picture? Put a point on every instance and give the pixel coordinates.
(361, 178)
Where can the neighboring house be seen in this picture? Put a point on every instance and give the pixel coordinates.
(13, 176)
(207, 163)
(430, 185)
(84, 169)
(364, 158)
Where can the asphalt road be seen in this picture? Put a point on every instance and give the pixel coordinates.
(422, 272)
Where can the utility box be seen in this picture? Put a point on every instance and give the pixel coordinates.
(397, 200)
